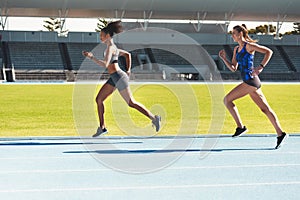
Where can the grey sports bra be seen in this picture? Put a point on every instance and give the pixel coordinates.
(114, 57)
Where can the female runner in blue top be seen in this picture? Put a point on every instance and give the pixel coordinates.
(118, 78)
(243, 56)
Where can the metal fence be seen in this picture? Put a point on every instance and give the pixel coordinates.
(93, 37)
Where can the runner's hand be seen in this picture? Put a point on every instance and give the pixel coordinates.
(88, 54)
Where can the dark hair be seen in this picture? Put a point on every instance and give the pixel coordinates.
(243, 28)
(113, 28)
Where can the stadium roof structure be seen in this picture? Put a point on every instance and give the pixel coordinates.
(225, 10)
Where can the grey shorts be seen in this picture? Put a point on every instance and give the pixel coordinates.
(118, 79)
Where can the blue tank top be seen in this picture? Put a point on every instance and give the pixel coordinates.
(245, 61)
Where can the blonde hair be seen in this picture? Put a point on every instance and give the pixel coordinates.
(243, 28)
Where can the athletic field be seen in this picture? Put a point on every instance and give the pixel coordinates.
(50, 109)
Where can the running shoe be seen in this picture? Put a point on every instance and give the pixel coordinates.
(281, 139)
(156, 122)
(239, 131)
(100, 131)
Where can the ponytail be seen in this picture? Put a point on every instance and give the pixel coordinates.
(113, 28)
(243, 29)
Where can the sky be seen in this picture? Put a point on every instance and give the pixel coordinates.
(89, 25)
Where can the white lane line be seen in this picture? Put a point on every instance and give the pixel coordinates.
(48, 157)
(227, 152)
(132, 82)
(167, 168)
(152, 187)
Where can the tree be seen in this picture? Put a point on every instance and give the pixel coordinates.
(55, 25)
(296, 28)
(52, 24)
(101, 24)
(265, 29)
(252, 31)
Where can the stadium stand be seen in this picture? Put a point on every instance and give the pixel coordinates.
(277, 63)
(213, 51)
(293, 53)
(144, 65)
(290, 65)
(35, 56)
(136, 65)
(75, 51)
(35, 59)
(168, 58)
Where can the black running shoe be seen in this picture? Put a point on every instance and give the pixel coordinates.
(157, 122)
(100, 131)
(281, 139)
(239, 131)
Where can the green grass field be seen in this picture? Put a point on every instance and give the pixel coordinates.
(49, 110)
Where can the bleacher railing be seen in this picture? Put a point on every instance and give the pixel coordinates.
(93, 37)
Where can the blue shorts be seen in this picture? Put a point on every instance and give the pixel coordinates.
(118, 79)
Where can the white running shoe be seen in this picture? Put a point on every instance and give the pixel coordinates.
(100, 131)
(157, 122)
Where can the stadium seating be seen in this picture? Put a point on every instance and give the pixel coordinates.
(35, 55)
(168, 58)
(293, 53)
(75, 52)
(276, 63)
(35, 58)
(134, 57)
